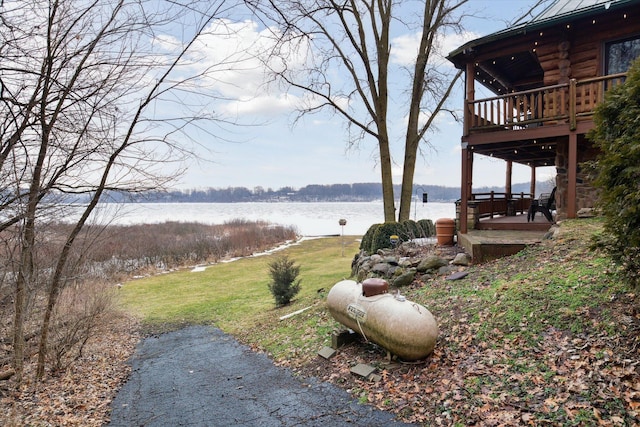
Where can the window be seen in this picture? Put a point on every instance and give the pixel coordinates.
(620, 54)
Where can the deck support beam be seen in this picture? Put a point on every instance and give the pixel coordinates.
(572, 176)
(465, 186)
(532, 186)
(508, 178)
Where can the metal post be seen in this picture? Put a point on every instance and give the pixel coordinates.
(342, 223)
(415, 206)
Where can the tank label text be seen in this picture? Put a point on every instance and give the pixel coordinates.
(357, 312)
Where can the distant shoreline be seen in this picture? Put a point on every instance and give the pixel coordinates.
(263, 201)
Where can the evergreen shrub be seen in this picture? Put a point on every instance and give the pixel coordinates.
(367, 239)
(382, 236)
(410, 230)
(617, 172)
(284, 285)
(427, 228)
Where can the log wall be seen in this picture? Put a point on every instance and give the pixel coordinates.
(578, 51)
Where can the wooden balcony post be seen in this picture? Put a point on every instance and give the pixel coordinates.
(572, 104)
(507, 184)
(491, 207)
(572, 175)
(464, 188)
(532, 188)
(470, 93)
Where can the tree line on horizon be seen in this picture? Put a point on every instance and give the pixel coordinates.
(357, 192)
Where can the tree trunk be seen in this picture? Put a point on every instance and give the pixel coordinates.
(387, 181)
(18, 326)
(434, 18)
(57, 281)
(25, 272)
(408, 171)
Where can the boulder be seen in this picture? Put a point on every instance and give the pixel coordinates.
(461, 259)
(431, 262)
(586, 213)
(405, 279)
(445, 270)
(381, 268)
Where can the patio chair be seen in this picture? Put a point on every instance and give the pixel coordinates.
(545, 204)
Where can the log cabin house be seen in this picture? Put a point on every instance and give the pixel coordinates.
(545, 77)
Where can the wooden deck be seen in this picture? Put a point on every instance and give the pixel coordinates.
(503, 236)
(518, 222)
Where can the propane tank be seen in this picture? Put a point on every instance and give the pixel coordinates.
(405, 328)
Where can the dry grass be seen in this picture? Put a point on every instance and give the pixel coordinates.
(90, 337)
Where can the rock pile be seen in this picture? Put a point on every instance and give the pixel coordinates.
(400, 266)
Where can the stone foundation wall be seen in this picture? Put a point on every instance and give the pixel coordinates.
(586, 194)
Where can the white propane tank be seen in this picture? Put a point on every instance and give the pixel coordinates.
(405, 328)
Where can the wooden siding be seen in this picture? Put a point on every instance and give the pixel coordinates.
(586, 41)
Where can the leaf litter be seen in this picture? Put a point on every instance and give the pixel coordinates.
(545, 337)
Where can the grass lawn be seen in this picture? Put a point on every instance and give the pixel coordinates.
(234, 295)
(548, 336)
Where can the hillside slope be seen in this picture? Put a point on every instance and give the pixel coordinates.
(545, 337)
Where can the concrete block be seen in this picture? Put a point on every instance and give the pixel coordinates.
(342, 338)
(363, 370)
(327, 352)
(375, 378)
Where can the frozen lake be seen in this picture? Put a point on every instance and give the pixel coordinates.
(311, 219)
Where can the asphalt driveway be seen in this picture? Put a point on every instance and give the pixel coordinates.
(199, 376)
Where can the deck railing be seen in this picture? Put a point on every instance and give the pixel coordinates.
(492, 204)
(546, 105)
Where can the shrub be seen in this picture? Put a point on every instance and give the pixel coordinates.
(427, 228)
(367, 239)
(381, 238)
(80, 314)
(617, 135)
(410, 230)
(378, 235)
(283, 274)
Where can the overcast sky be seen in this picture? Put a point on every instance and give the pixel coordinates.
(274, 152)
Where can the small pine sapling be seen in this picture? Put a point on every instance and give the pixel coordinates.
(284, 285)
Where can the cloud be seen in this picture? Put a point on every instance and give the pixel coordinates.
(234, 63)
(404, 48)
(263, 105)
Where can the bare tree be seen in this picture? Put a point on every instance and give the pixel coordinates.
(95, 98)
(349, 71)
